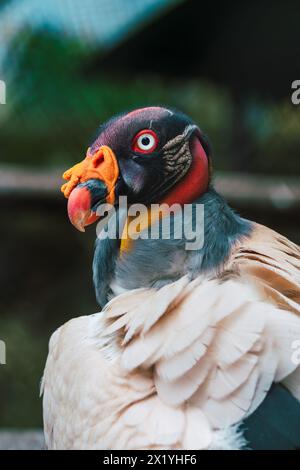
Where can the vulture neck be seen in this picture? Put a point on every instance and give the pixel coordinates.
(222, 228)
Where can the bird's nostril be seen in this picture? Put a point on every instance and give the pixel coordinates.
(97, 159)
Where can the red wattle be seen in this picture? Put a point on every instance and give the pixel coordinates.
(195, 182)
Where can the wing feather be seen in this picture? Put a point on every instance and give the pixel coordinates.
(220, 343)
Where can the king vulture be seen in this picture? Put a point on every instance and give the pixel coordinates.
(193, 348)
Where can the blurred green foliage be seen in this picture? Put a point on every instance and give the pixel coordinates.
(55, 106)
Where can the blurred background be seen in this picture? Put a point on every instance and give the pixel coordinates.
(69, 65)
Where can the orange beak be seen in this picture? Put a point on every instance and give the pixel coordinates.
(90, 183)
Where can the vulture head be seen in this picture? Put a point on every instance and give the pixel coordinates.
(150, 155)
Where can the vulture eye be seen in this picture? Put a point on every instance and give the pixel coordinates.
(145, 141)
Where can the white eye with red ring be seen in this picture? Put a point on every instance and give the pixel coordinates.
(145, 141)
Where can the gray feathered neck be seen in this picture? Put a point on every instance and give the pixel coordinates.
(155, 262)
(222, 227)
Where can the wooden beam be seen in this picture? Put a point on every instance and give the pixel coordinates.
(277, 193)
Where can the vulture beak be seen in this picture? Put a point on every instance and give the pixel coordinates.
(90, 183)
